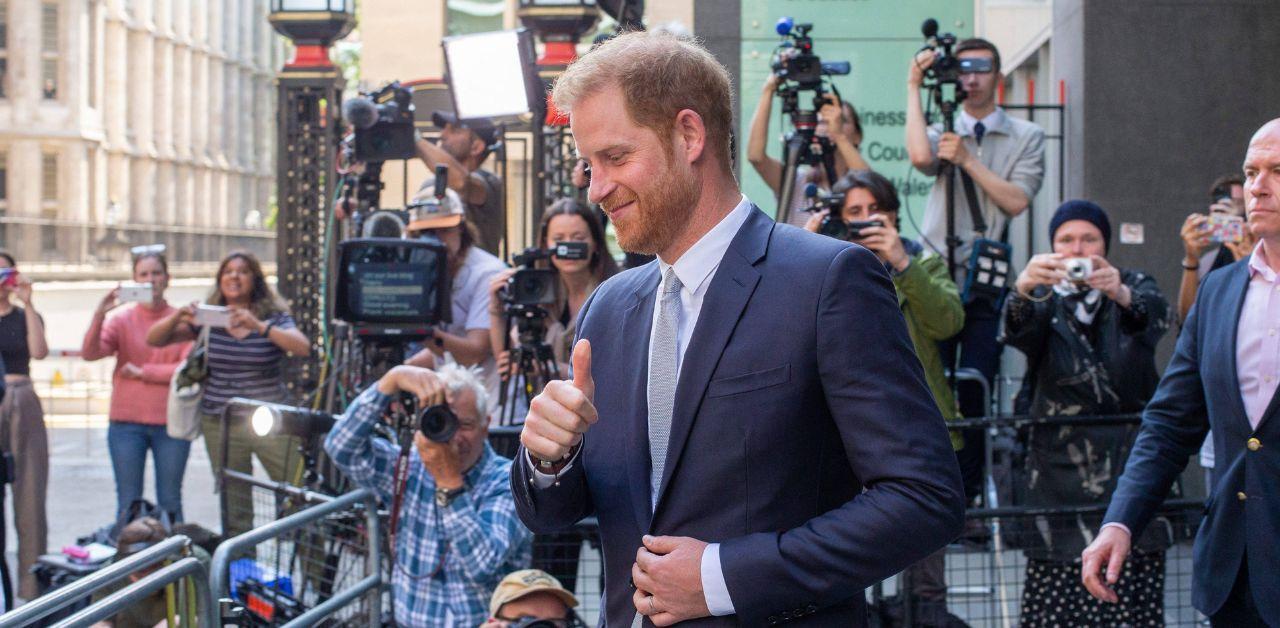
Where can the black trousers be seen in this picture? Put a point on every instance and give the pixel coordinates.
(1239, 611)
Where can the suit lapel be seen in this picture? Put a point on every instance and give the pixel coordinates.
(635, 331)
(730, 290)
(1240, 289)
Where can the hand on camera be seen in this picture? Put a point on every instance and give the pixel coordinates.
(951, 148)
(815, 220)
(187, 313)
(1109, 550)
(1045, 269)
(771, 84)
(885, 243)
(1244, 246)
(1195, 238)
(1106, 278)
(562, 412)
(23, 290)
(922, 61)
(243, 318)
(496, 285)
(420, 382)
(831, 114)
(109, 302)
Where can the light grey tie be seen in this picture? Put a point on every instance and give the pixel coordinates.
(662, 385)
(662, 378)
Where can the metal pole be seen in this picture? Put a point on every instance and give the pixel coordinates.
(189, 567)
(59, 598)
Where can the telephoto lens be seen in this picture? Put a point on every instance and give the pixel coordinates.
(835, 227)
(438, 423)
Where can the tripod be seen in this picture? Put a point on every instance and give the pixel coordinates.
(947, 104)
(802, 146)
(534, 362)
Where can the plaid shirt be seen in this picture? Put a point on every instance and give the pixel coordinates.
(448, 560)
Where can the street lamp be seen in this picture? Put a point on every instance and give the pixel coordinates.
(313, 25)
(309, 99)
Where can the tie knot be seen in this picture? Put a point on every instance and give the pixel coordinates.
(979, 130)
(670, 282)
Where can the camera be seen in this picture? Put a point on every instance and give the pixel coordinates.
(438, 423)
(795, 61)
(537, 286)
(1079, 269)
(383, 123)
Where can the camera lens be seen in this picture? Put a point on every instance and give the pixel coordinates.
(438, 423)
(834, 227)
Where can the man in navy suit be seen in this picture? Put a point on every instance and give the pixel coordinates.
(1223, 376)
(746, 419)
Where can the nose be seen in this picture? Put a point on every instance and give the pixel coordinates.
(600, 186)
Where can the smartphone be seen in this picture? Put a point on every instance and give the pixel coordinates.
(1225, 228)
(8, 277)
(213, 315)
(133, 292)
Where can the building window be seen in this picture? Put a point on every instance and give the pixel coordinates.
(49, 231)
(49, 177)
(49, 50)
(474, 16)
(4, 48)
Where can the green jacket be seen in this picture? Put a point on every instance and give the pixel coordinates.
(931, 304)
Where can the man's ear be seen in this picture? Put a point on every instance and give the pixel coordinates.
(691, 132)
(477, 145)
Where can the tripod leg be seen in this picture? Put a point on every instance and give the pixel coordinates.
(794, 147)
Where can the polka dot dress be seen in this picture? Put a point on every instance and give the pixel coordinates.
(1053, 596)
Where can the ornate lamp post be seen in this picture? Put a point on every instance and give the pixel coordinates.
(309, 97)
(560, 24)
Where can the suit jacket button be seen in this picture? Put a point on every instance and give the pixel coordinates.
(1254, 444)
(812, 608)
(1241, 496)
(773, 620)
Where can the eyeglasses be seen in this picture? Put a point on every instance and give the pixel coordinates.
(529, 621)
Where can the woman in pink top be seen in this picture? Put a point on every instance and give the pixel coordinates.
(140, 390)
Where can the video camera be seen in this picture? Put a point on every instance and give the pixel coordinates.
(795, 61)
(383, 123)
(944, 74)
(537, 286)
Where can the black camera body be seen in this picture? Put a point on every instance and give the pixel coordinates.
(438, 423)
(537, 286)
(383, 122)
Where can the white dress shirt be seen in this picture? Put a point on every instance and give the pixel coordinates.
(695, 269)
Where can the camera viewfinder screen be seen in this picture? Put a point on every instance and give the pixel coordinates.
(390, 281)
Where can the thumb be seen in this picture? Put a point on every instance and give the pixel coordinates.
(660, 544)
(582, 379)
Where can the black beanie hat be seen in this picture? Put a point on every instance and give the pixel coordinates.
(1082, 210)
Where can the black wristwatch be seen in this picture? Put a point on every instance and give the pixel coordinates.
(445, 496)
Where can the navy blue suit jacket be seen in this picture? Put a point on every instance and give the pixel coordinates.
(1200, 390)
(804, 439)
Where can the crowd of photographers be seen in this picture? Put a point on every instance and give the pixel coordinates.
(1087, 328)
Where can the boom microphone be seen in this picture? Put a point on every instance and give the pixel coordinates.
(360, 112)
(929, 28)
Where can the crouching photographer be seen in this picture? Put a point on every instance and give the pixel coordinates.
(454, 527)
(1089, 331)
(867, 214)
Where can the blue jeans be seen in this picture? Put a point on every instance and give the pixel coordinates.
(128, 444)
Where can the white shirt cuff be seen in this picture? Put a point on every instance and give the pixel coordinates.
(1117, 524)
(713, 585)
(545, 480)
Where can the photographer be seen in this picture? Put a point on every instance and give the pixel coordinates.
(530, 598)
(1089, 331)
(1004, 157)
(566, 220)
(836, 120)
(244, 359)
(22, 430)
(458, 532)
(140, 389)
(466, 337)
(1202, 257)
(931, 306)
(463, 147)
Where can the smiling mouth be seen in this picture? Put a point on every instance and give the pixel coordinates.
(613, 210)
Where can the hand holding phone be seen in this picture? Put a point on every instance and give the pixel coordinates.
(213, 316)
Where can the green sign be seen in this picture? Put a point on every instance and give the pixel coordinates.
(878, 39)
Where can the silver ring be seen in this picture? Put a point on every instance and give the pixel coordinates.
(652, 610)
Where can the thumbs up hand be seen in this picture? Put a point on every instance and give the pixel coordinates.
(563, 412)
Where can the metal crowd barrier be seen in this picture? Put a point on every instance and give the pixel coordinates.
(318, 567)
(72, 593)
(190, 567)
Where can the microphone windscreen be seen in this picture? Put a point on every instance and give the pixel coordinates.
(360, 112)
(929, 28)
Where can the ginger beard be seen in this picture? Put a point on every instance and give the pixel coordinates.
(660, 208)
